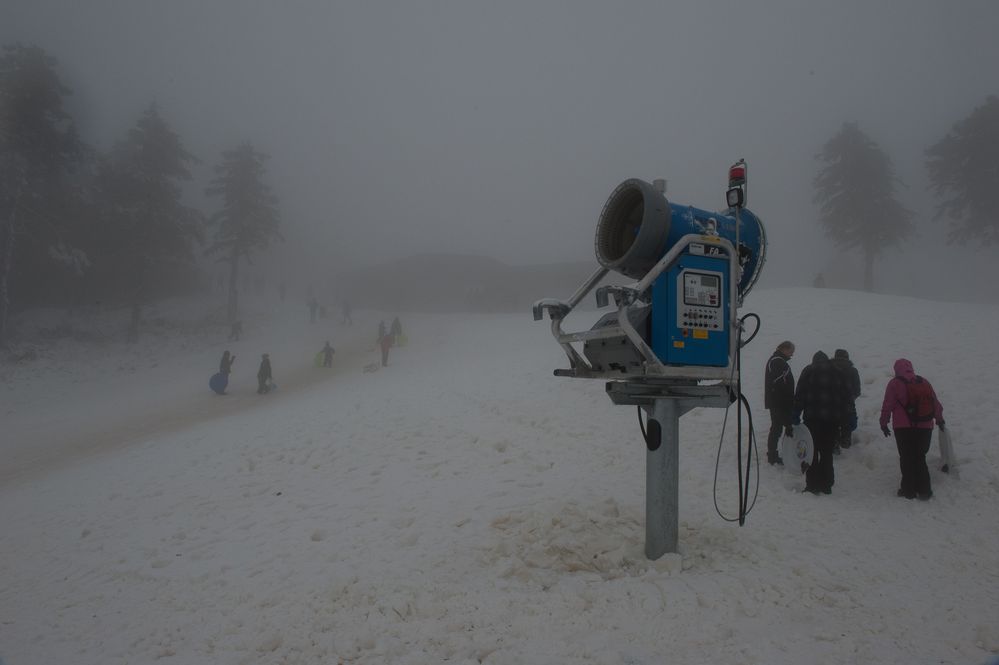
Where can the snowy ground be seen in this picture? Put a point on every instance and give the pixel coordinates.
(465, 506)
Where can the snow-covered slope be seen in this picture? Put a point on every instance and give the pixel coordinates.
(463, 505)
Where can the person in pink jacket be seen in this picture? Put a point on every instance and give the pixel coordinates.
(912, 406)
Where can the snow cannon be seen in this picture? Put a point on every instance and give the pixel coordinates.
(693, 267)
(672, 343)
(639, 224)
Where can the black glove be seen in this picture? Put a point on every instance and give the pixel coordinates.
(885, 430)
(788, 430)
(941, 423)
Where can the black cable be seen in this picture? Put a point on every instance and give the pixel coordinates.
(755, 450)
(751, 439)
(753, 336)
(745, 506)
(738, 438)
(641, 425)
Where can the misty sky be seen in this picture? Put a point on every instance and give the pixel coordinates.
(501, 127)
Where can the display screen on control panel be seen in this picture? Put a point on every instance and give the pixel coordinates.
(701, 289)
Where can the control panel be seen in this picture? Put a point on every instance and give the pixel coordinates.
(690, 320)
(699, 299)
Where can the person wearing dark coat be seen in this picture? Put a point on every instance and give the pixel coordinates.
(264, 374)
(778, 397)
(328, 355)
(823, 399)
(841, 361)
(225, 365)
(225, 369)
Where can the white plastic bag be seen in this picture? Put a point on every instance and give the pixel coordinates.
(947, 459)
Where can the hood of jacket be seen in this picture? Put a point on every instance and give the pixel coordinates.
(820, 358)
(903, 369)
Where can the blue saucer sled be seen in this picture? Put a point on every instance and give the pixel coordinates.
(218, 382)
(797, 450)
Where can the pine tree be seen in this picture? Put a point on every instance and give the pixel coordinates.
(855, 191)
(249, 219)
(39, 150)
(964, 174)
(147, 231)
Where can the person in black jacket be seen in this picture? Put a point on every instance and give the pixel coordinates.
(822, 398)
(778, 397)
(841, 361)
(264, 374)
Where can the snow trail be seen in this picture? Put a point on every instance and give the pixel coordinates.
(154, 418)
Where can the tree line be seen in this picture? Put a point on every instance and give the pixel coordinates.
(81, 225)
(855, 188)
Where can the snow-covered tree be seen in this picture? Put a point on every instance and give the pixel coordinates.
(855, 192)
(249, 219)
(964, 174)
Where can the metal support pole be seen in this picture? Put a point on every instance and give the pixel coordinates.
(662, 482)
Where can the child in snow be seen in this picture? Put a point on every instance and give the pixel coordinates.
(225, 365)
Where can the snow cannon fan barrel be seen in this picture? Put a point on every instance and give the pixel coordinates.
(638, 226)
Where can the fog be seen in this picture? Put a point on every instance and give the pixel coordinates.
(499, 129)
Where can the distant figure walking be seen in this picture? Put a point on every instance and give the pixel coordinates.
(235, 330)
(381, 331)
(328, 355)
(345, 310)
(911, 405)
(264, 374)
(385, 342)
(313, 308)
(396, 328)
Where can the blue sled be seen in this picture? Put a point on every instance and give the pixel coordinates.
(218, 382)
